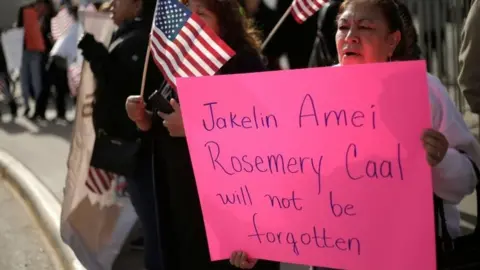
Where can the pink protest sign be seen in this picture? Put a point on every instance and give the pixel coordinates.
(320, 167)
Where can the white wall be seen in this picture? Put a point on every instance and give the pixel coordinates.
(9, 11)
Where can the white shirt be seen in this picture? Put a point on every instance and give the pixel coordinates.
(454, 177)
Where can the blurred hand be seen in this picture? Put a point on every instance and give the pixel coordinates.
(173, 122)
(86, 41)
(436, 146)
(240, 259)
(91, 49)
(135, 107)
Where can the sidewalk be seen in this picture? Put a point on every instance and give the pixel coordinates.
(44, 150)
(23, 245)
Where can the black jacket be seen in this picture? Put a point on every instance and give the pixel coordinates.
(183, 231)
(3, 61)
(118, 71)
(294, 39)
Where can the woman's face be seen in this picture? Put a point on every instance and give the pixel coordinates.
(123, 10)
(363, 35)
(198, 7)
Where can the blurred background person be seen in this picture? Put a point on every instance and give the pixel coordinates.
(293, 40)
(469, 76)
(35, 56)
(118, 71)
(63, 53)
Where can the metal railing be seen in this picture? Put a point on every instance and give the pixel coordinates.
(439, 24)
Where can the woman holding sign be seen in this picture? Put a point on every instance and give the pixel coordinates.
(372, 31)
(182, 228)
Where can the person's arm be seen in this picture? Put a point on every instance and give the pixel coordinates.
(469, 57)
(96, 54)
(454, 177)
(245, 61)
(120, 72)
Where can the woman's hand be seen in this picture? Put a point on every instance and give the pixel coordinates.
(240, 259)
(92, 49)
(136, 112)
(436, 146)
(173, 122)
(87, 44)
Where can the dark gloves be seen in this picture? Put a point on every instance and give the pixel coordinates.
(91, 49)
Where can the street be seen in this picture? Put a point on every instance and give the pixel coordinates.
(23, 245)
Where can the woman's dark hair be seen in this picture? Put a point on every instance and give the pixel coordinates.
(49, 6)
(148, 10)
(236, 29)
(72, 10)
(392, 15)
(411, 35)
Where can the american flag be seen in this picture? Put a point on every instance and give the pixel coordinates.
(61, 23)
(303, 9)
(99, 181)
(74, 75)
(182, 45)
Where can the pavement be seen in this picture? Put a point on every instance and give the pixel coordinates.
(43, 149)
(23, 245)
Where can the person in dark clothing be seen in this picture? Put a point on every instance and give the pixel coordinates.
(184, 242)
(293, 39)
(118, 72)
(56, 75)
(33, 72)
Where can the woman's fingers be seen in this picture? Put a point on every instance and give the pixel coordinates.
(435, 145)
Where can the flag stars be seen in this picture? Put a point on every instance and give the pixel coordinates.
(170, 17)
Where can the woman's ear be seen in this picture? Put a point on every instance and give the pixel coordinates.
(393, 40)
(138, 7)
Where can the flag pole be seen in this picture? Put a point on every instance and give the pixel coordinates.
(145, 68)
(277, 26)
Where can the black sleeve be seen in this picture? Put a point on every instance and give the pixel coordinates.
(47, 33)
(3, 62)
(244, 61)
(96, 54)
(118, 75)
(123, 67)
(20, 17)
